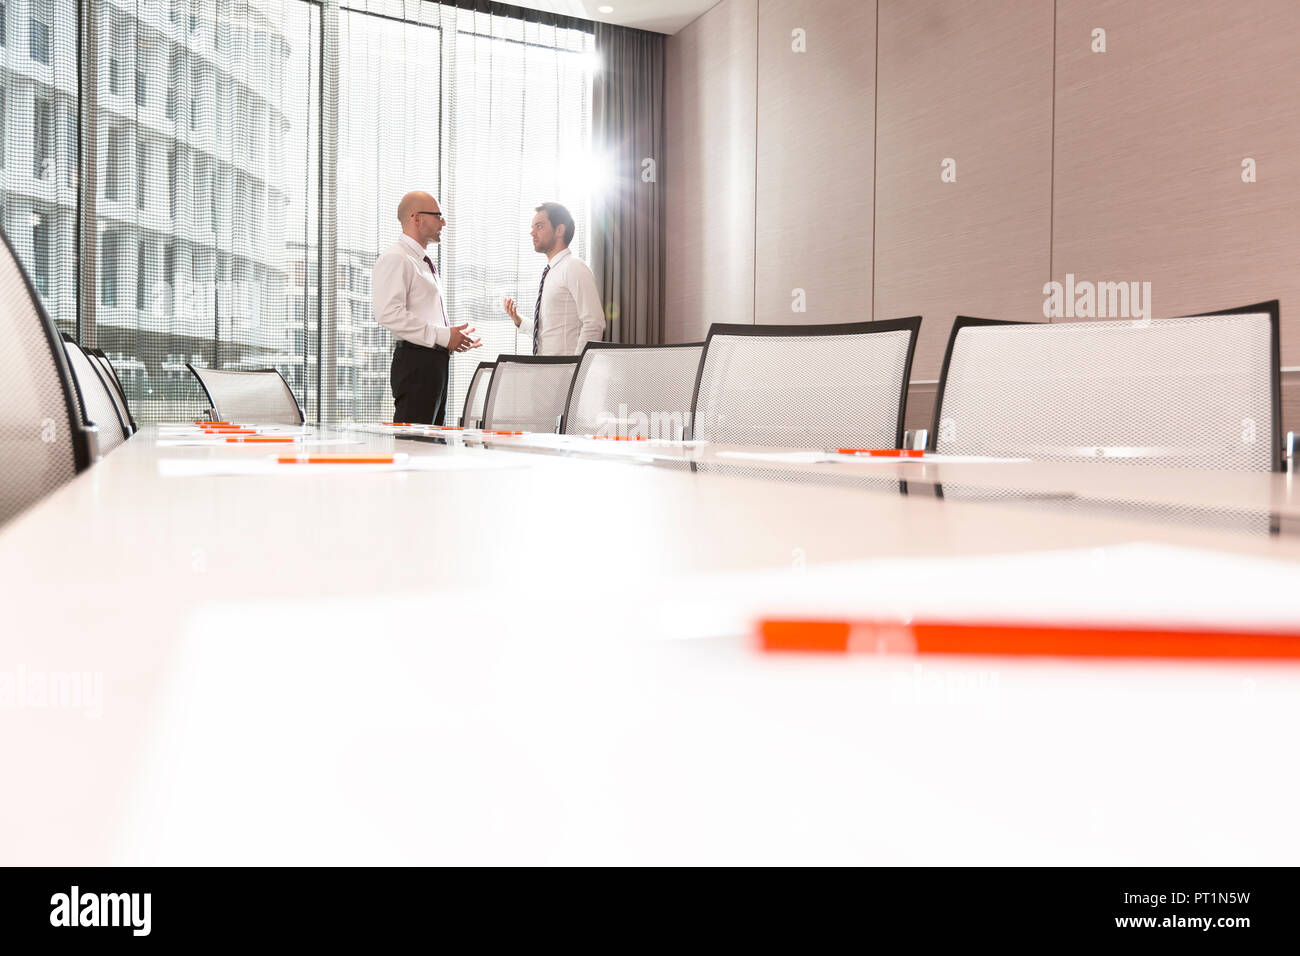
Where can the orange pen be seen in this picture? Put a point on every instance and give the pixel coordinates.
(884, 452)
(1022, 640)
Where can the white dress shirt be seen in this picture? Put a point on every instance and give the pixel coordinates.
(407, 297)
(571, 311)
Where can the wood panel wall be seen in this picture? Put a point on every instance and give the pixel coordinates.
(1122, 165)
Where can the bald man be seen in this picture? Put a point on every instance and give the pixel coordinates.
(409, 303)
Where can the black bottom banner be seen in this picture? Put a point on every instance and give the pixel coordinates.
(1175, 908)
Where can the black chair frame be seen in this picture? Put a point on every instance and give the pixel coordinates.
(525, 360)
(911, 324)
(302, 418)
(465, 410)
(1272, 308)
(120, 390)
(84, 446)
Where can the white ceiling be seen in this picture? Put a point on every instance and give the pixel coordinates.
(661, 16)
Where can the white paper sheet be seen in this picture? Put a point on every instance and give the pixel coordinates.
(1137, 583)
(822, 457)
(222, 443)
(785, 457)
(200, 468)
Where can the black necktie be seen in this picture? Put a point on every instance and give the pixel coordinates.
(434, 270)
(537, 312)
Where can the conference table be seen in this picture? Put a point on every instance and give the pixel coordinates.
(543, 649)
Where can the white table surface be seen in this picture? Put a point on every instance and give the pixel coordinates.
(1104, 482)
(472, 665)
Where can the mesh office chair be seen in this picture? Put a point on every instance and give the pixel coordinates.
(1197, 392)
(528, 392)
(97, 404)
(43, 442)
(106, 375)
(260, 397)
(633, 390)
(472, 415)
(115, 387)
(808, 386)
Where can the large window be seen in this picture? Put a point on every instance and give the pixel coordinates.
(489, 113)
(196, 240)
(518, 134)
(199, 211)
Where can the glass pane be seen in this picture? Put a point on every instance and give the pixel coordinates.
(204, 201)
(388, 145)
(38, 160)
(518, 128)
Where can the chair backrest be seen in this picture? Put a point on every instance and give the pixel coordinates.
(633, 390)
(115, 386)
(43, 441)
(472, 415)
(260, 397)
(805, 386)
(97, 402)
(528, 392)
(1199, 391)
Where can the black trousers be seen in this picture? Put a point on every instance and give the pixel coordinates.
(419, 382)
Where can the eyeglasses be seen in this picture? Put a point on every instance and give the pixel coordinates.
(438, 214)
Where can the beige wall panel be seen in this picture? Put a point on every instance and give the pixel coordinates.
(970, 81)
(920, 405)
(1150, 138)
(816, 138)
(1290, 402)
(709, 99)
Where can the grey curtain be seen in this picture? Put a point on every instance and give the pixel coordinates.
(627, 216)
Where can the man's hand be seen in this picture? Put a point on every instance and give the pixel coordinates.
(511, 311)
(462, 341)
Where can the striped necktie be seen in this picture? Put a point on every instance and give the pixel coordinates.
(537, 312)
